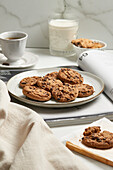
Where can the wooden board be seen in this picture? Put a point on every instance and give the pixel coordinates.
(89, 154)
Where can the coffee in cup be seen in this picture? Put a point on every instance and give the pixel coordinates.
(13, 45)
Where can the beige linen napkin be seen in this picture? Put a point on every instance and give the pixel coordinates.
(27, 143)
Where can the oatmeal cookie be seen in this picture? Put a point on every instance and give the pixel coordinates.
(85, 90)
(28, 81)
(70, 76)
(36, 93)
(48, 83)
(94, 138)
(64, 93)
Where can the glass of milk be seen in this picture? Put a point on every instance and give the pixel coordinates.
(61, 33)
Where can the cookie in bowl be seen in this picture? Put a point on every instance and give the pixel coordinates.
(83, 44)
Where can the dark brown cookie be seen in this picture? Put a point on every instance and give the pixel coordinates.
(36, 93)
(95, 139)
(52, 75)
(48, 83)
(28, 81)
(64, 93)
(85, 90)
(70, 76)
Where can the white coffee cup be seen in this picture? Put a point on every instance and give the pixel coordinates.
(13, 45)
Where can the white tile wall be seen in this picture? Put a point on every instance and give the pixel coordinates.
(31, 16)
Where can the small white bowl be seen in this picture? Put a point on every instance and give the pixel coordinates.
(79, 50)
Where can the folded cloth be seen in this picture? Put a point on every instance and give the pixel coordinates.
(26, 141)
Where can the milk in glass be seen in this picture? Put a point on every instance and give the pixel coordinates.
(61, 33)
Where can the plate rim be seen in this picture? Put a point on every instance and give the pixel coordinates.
(60, 104)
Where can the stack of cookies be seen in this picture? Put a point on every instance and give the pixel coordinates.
(64, 86)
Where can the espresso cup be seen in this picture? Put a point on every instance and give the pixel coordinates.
(13, 45)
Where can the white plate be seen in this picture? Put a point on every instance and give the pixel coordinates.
(16, 91)
(27, 60)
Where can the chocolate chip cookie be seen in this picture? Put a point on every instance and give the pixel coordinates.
(85, 90)
(52, 75)
(94, 129)
(36, 93)
(28, 81)
(64, 93)
(94, 138)
(70, 76)
(48, 83)
(86, 43)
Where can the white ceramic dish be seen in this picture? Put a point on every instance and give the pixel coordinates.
(79, 50)
(90, 79)
(27, 60)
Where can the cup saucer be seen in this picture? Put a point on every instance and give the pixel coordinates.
(28, 59)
